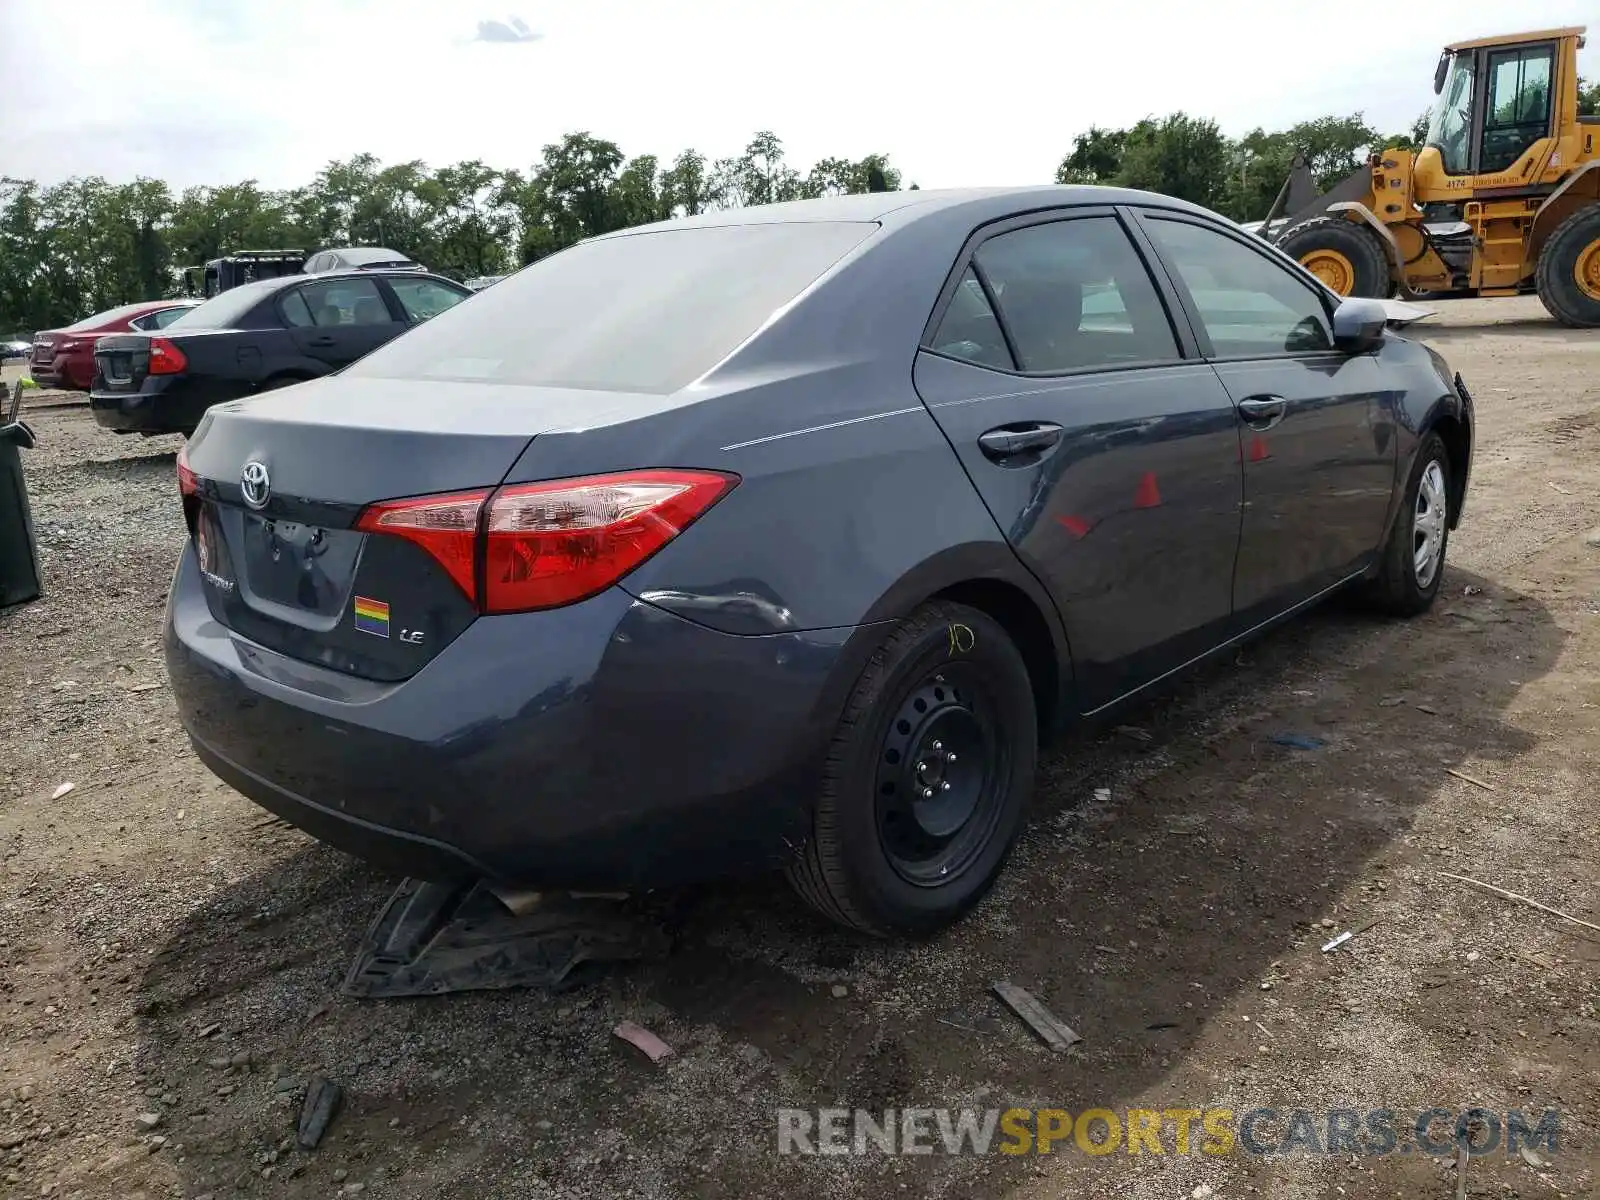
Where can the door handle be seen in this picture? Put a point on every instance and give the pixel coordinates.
(1263, 412)
(324, 340)
(1008, 441)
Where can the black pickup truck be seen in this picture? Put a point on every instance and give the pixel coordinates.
(254, 338)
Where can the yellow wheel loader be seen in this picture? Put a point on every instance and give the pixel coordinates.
(1503, 199)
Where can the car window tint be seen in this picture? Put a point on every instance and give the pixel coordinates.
(143, 323)
(346, 302)
(423, 298)
(640, 312)
(969, 329)
(1248, 304)
(1074, 295)
(295, 310)
(165, 317)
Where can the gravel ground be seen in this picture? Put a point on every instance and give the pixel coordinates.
(168, 950)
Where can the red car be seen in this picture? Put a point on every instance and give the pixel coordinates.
(64, 358)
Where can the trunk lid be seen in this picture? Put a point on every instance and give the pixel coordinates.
(122, 362)
(283, 478)
(44, 347)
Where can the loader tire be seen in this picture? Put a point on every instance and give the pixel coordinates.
(1345, 256)
(1568, 274)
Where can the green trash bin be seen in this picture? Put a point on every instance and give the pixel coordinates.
(19, 552)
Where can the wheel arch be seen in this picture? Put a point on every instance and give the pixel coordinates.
(1454, 428)
(989, 577)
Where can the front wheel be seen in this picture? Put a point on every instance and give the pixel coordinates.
(1411, 567)
(927, 779)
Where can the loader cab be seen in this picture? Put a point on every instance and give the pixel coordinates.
(1498, 98)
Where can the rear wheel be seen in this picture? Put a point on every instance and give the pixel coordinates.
(927, 778)
(1411, 568)
(1347, 257)
(1568, 274)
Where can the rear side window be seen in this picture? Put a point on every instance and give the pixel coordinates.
(1075, 296)
(970, 331)
(339, 302)
(645, 312)
(1249, 305)
(160, 320)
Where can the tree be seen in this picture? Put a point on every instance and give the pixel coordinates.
(1179, 155)
(1096, 156)
(1588, 98)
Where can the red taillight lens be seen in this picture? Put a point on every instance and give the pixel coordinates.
(66, 344)
(543, 545)
(549, 544)
(445, 526)
(188, 487)
(165, 358)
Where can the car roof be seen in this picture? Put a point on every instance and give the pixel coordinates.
(897, 208)
(360, 254)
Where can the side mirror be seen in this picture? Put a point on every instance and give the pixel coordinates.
(1358, 324)
(1440, 71)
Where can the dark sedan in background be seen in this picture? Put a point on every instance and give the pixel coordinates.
(781, 536)
(256, 338)
(64, 358)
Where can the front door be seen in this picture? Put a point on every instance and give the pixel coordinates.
(1317, 426)
(1105, 450)
(338, 320)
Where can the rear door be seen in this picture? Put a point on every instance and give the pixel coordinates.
(338, 320)
(1317, 424)
(1104, 448)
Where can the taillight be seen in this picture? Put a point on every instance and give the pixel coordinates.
(445, 526)
(67, 344)
(165, 358)
(188, 487)
(544, 545)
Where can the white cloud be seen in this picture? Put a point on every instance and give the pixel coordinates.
(207, 91)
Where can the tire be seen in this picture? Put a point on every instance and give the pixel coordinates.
(873, 860)
(1568, 274)
(1399, 588)
(1355, 263)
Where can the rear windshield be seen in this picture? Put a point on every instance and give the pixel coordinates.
(110, 314)
(221, 311)
(647, 312)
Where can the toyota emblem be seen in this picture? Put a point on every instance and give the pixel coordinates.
(255, 484)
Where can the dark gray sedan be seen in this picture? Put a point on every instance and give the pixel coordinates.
(780, 537)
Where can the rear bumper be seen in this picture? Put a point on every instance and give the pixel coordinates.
(160, 407)
(606, 745)
(59, 374)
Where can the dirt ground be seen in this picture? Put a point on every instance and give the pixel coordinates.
(166, 949)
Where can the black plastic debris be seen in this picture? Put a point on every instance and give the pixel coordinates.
(323, 1098)
(19, 551)
(432, 938)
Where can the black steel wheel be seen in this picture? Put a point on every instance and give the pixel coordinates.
(941, 776)
(927, 780)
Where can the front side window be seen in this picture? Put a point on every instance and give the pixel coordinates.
(1518, 110)
(1249, 305)
(1075, 296)
(1450, 126)
(423, 298)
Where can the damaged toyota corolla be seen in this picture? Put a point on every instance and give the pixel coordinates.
(777, 538)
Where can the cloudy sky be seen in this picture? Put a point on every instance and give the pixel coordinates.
(210, 91)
